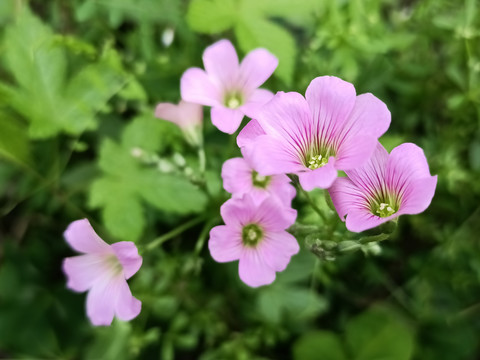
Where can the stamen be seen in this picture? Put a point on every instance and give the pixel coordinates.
(385, 210)
(317, 161)
(252, 234)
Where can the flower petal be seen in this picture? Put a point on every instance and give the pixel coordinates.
(221, 63)
(281, 187)
(225, 244)
(331, 101)
(370, 177)
(287, 117)
(355, 151)
(101, 301)
(370, 116)
(277, 248)
(225, 119)
(322, 177)
(406, 163)
(272, 215)
(253, 269)
(196, 87)
(249, 133)
(238, 212)
(256, 68)
(237, 176)
(361, 220)
(127, 307)
(255, 101)
(270, 156)
(82, 238)
(418, 195)
(346, 196)
(84, 270)
(127, 255)
(185, 114)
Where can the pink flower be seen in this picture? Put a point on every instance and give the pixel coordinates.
(255, 235)
(187, 116)
(330, 129)
(103, 270)
(385, 187)
(240, 178)
(230, 88)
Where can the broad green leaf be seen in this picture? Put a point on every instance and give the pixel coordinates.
(126, 185)
(14, 144)
(294, 302)
(43, 95)
(379, 334)
(257, 32)
(144, 132)
(299, 12)
(122, 211)
(140, 11)
(319, 345)
(212, 16)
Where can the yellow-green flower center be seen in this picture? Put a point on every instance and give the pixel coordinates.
(252, 234)
(114, 264)
(233, 100)
(385, 210)
(317, 161)
(260, 181)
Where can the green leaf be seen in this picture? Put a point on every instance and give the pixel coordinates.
(14, 144)
(211, 16)
(294, 302)
(379, 334)
(144, 132)
(126, 185)
(315, 345)
(122, 212)
(299, 12)
(257, 32)
(43, 95)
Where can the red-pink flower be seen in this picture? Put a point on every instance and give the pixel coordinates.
(229, 87)
(385, 187)
(330, 129)
(254, 234)
(239, 178)
(103, 270)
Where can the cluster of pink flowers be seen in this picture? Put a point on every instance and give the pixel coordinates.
(312, 137)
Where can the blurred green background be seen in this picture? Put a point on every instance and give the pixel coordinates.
(79, 80)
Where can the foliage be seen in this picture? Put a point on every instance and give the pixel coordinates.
(78, 84)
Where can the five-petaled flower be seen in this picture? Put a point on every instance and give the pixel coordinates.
(229, 87)
(385, 187)
(254, 233)
(330, 129)
(103, 270)
(240, 178)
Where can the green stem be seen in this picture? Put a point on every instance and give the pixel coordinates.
(203, 235)
(309, 199)
(171, 234)
(202, 160)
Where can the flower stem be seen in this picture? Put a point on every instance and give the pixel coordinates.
(314, 206)
(171, 234)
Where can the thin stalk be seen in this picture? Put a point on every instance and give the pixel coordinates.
(171, 234)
